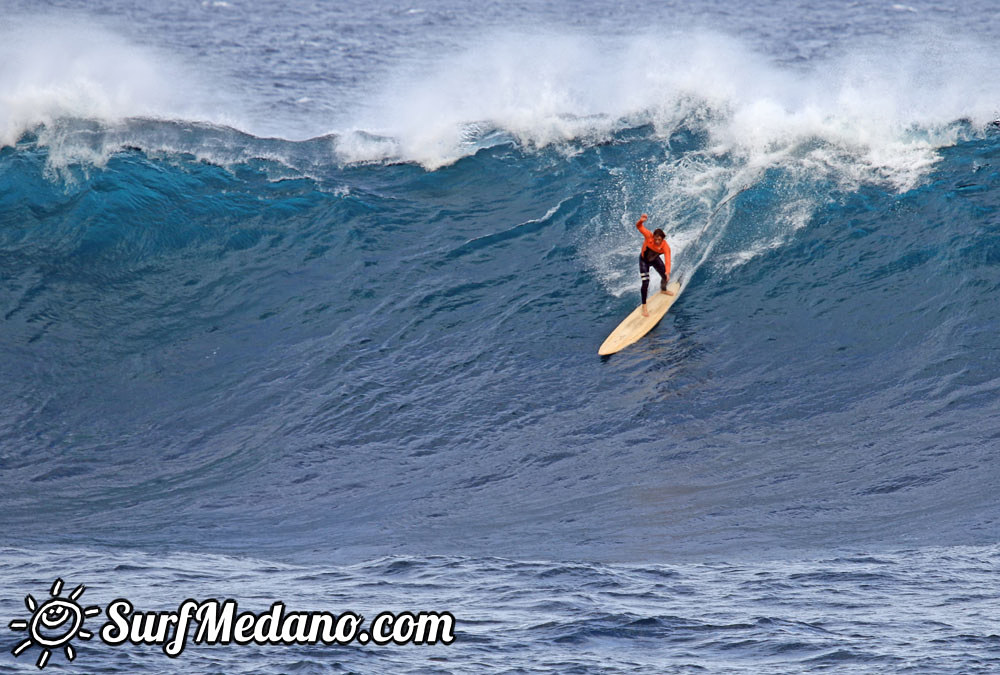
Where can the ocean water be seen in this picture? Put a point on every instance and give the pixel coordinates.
(300, 302)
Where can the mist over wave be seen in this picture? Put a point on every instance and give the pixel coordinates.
(890, 101)
(892, 104)
(57, 69)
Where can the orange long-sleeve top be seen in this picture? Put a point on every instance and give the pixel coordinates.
(649, 244)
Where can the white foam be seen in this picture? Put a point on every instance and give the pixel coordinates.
(889, 105)
(58, 68)
(885, 107)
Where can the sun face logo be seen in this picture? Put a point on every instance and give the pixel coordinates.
(54, 623)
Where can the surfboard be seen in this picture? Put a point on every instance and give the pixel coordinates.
(636, 325)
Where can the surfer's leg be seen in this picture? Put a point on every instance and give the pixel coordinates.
(644, 275)
(662, 270)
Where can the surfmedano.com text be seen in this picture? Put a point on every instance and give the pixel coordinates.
(212, 622)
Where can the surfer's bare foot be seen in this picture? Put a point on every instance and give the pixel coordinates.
(668, 292)
(644, 312)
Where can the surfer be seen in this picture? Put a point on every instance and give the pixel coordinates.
(653, 246)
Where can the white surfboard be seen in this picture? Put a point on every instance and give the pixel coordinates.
(636, 325)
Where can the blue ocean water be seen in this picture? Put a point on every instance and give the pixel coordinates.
(301, 302)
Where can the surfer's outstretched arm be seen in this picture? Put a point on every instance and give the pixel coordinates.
(641, 225)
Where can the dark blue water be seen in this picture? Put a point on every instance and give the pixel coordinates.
(302, 303)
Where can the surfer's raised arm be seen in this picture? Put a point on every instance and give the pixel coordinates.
(641, 224)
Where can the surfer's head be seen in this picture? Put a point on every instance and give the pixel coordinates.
(659, 235)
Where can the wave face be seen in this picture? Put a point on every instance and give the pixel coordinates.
(273, 350)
